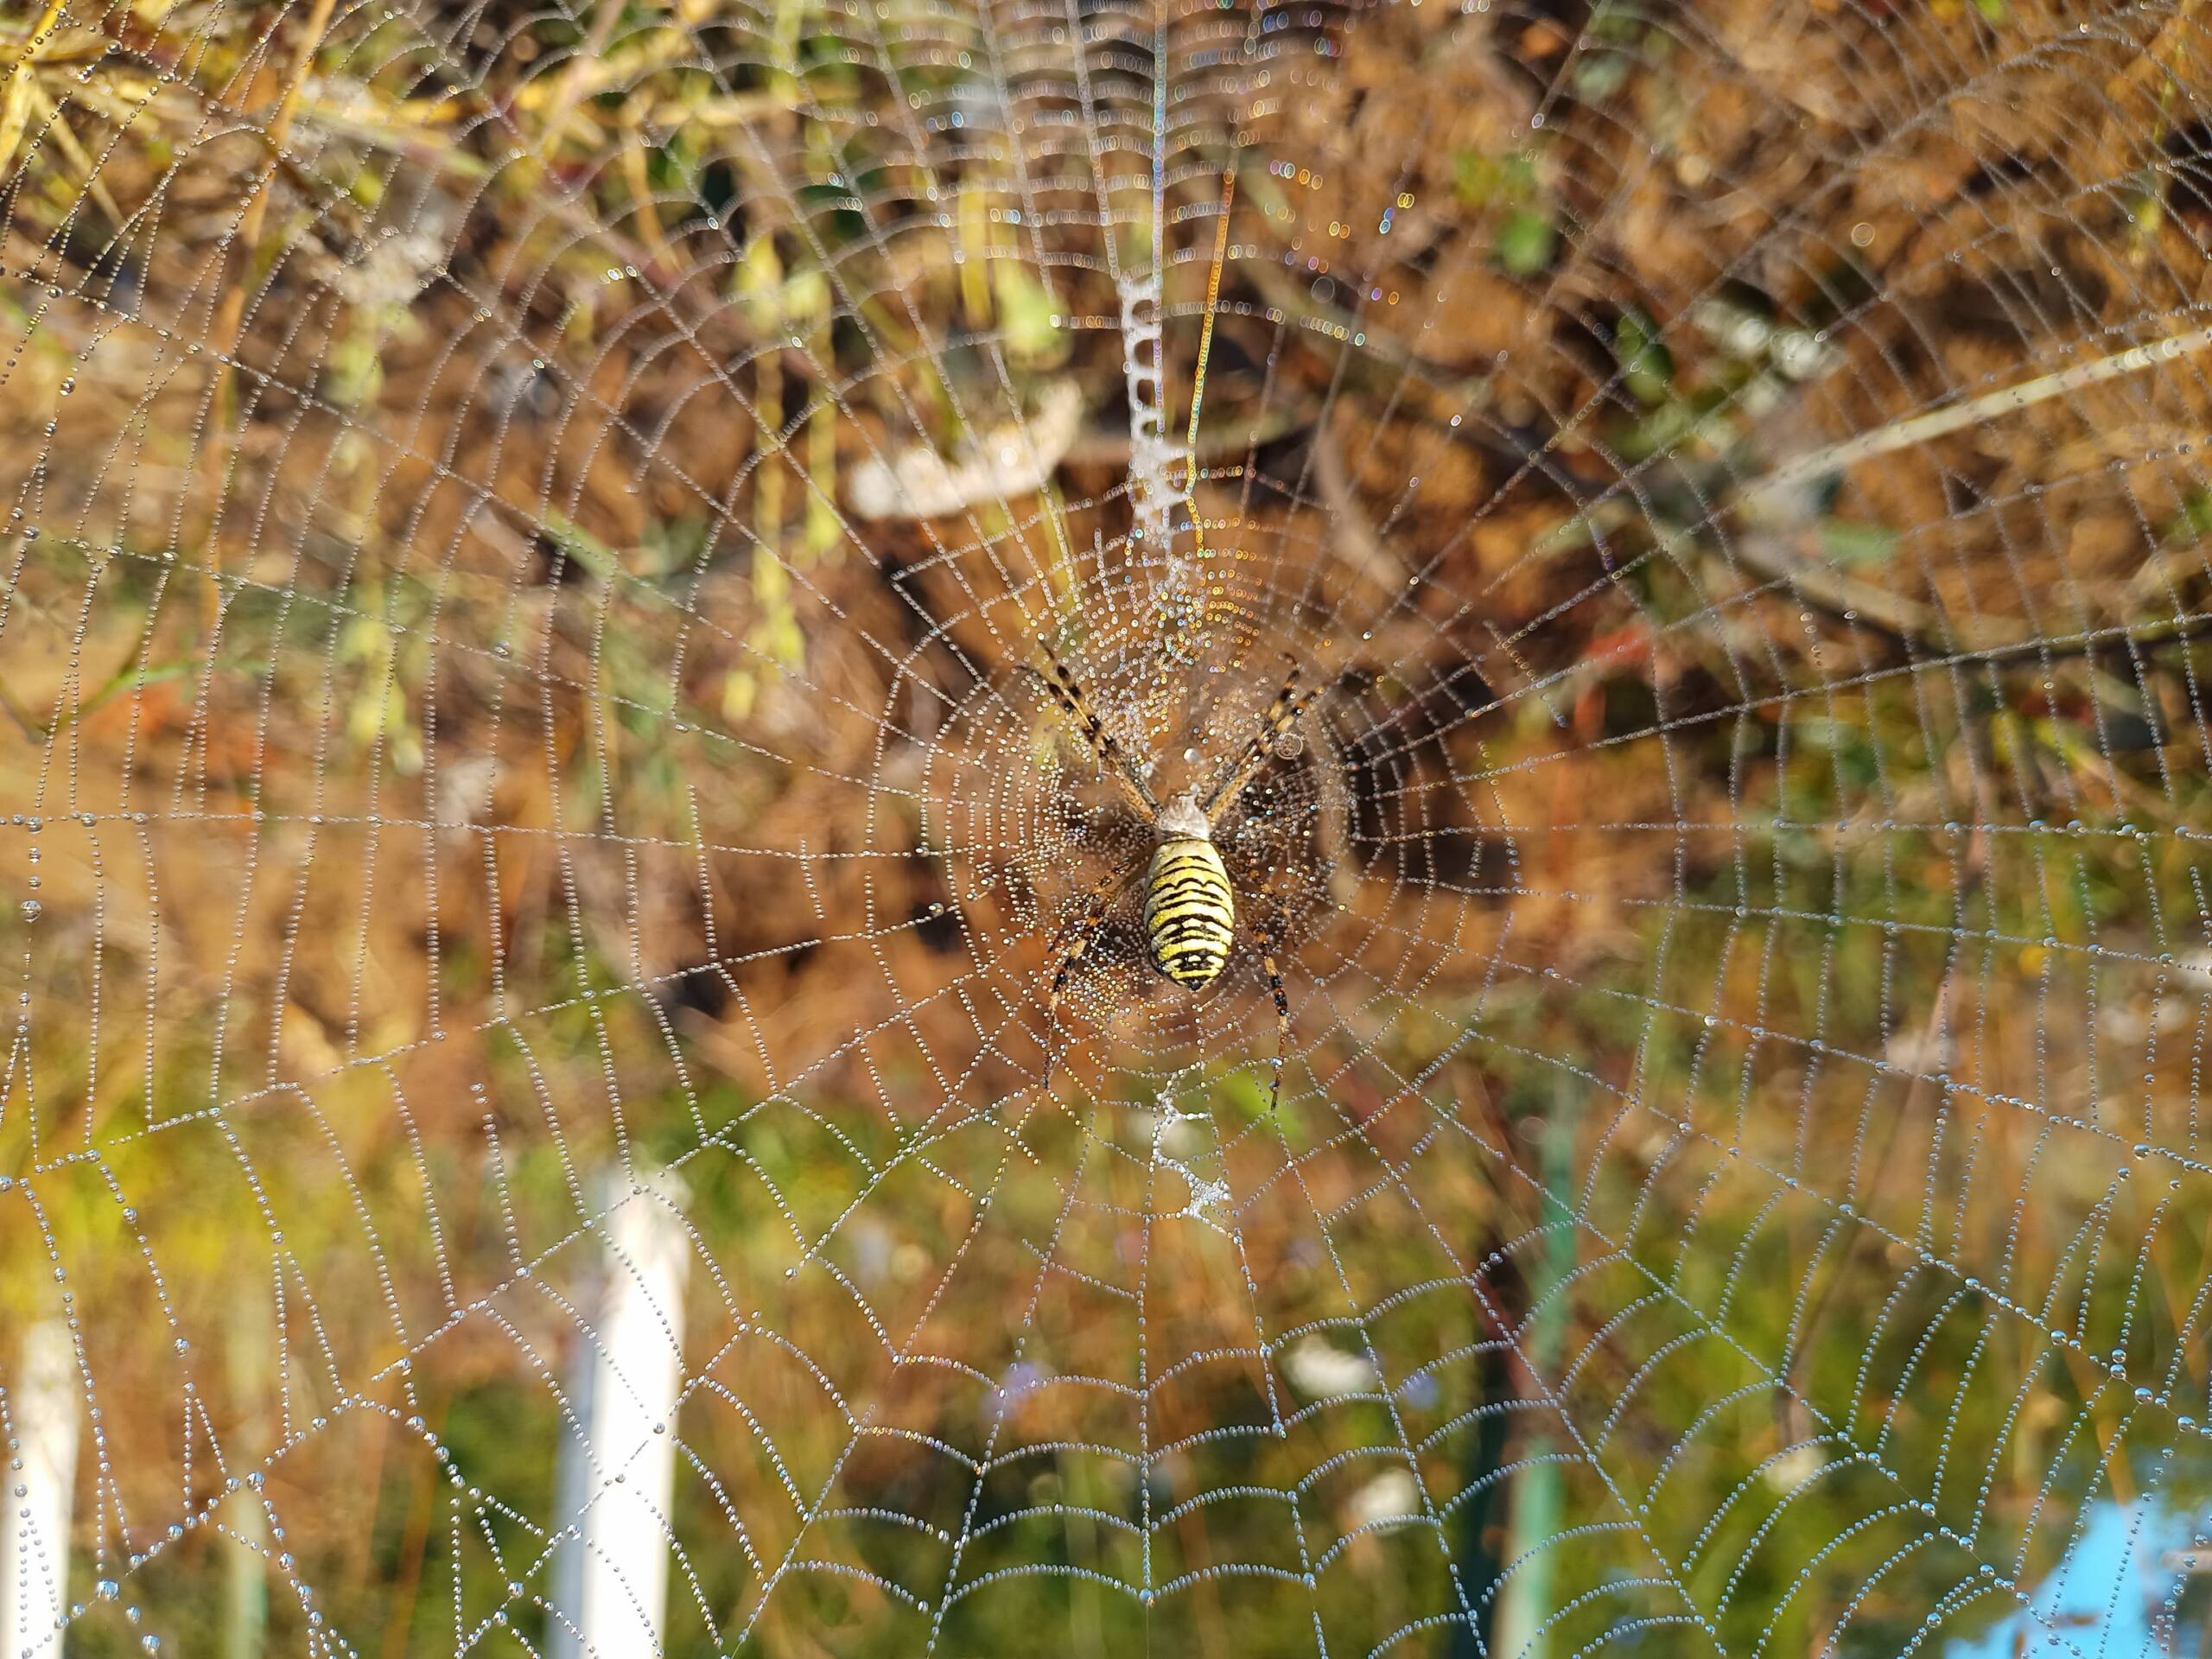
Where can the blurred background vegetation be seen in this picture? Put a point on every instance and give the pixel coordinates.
(525, 525)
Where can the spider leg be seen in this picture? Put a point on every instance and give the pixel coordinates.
(1267, 933)
(1099, 901)
(1283, 714)
(1075, 703)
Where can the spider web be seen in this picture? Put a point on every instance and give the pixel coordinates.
(534, 1120)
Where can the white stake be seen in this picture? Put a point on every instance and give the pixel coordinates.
(611, 1581)
(42, 1413)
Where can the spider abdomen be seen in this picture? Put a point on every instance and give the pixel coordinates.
(1189, 915)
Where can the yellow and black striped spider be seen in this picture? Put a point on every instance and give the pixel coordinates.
(1190, 906)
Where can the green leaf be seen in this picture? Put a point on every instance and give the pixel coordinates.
(1647, 367)
(1670, 420)
(1525, 242)
(1851, 543)
(1600, 74)
(2193, 523)
(1033, 334)
(580, 545)
(1479, 180)
(1474, 177)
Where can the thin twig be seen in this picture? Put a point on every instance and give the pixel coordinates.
(1940, 423)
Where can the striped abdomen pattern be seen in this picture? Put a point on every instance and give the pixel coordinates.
(1189, 914)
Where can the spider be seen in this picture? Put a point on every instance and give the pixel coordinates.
(1190, 906)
